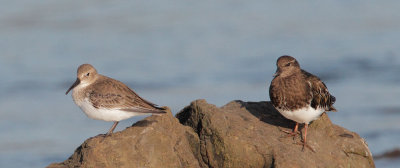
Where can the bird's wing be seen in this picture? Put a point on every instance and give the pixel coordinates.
(113, 94)
(320, 95)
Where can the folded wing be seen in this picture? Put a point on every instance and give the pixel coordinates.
(321, 96)
(116, 95)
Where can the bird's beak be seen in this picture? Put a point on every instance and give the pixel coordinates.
(73, 85)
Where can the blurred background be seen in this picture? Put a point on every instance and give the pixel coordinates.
(173, 52)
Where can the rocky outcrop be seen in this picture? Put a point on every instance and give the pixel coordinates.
(248, 134)
(239, 134)
(157, 141)
(392, 154)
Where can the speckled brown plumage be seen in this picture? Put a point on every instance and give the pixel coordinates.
(110, 93)
(299, 95)
(297, 88)
(320, 94)
(289, 93)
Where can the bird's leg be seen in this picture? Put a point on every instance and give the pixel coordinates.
(112, 128)
(304, 142)
(294, 132)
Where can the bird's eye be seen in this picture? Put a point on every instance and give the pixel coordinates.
(87, 74)
(288, 64)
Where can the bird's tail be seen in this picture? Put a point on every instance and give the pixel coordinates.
(333, 100)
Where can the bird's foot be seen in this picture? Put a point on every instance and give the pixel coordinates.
(289, 133)
(305, 145)
(104, 136)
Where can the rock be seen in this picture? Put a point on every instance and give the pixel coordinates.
(392, 154)
(239, 134)
(247, 134)
(156, 141)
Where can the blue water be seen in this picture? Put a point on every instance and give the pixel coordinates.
(173, 52)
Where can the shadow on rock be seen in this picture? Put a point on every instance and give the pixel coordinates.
(143, 123)
(267, 113)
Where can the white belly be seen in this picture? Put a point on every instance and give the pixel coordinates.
(104, 114)
(303, 115)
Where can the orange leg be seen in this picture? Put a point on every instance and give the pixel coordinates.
(294, 132)
(305, 139)
(305, 134)
(296, 128)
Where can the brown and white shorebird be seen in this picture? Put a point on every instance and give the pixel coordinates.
(298, 95)
(104, 98)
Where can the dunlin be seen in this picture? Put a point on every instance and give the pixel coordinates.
(104, 98)
(298, 95)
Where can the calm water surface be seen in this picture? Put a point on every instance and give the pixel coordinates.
(173, 52)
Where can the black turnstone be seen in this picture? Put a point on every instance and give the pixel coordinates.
(298, 95)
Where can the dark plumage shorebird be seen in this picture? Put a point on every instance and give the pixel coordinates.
(104, 98)
(298, 95)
